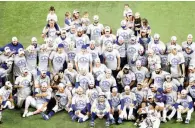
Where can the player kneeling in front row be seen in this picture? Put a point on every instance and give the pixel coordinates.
(6, 98)
(183, 105)
(39, 101)
(80, 106)
(63, 101)
(100, 109)
(128, 102)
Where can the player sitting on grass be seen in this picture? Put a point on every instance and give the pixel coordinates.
(80, 106)
(6, 98)
(183, 105)
(40, 100)
(100, 109)
(63, 101)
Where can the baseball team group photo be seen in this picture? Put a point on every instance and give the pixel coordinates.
(94, 64)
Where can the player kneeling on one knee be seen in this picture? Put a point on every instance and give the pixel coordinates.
(39, 101)
(63, 101)
(183, 105)
(6, 100)
(80, 106)
(100, 109)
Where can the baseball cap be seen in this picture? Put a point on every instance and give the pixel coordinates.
(150, 96)
(107, 29)
(60, 45)
(43, 71)
(126, 66)
(123, 23)
(152, 86)
(7, 49)
(91, 82)
(75, 11)
(14, 39)
(189, 36)
(95, 17)
(20, 51)
(174, 38)
(34, 39)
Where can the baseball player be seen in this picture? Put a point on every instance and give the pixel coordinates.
(6, 99)
(100, 109)
(121, 48)
(94, 30)
(42, 78)
(107, 38)
(98, 69)
(153, 60)
(189, 42)
(71, 52)
(63, 101)
(62, 39)
(43, 56)
(70, 73)
(19, 63)
(156, 44)
(171, 98)
(80, 39)
(105, 82)
(140, 55)
(80, 106)
(144, 39)
(93, 92)
(139, 93)
(176, 62)
(158, 76)
(83, 59)
(50, 45)
(31, 58)
(126, 77)
(141, 73)
(23, 85)
(176, 86)
(128, 102)
(183, 105)
(164, 60)
(39, 101)
(58, 59)
(95, 52)
(112, 59)
(125, 32)
(132, 48)
(115, 100)
(83, 78)
(173, 42)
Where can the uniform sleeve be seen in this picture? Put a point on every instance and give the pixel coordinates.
(17, 81)
(114, 82)
(117, 53)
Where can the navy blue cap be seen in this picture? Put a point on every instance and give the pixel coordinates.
(84, 47)
(60, 45)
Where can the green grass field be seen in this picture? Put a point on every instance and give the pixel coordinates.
(27, 19)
